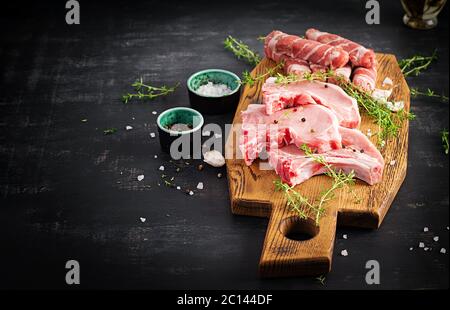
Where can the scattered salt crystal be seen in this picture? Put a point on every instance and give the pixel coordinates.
(213, 90)
(128, 127)
(178, 188)
(132, 118)
(206, 133)
(154, 112)
(214, 158)
(443, 251)
(191, 193)
(152, 135)
(219, 175)
(381, 95)
(344, 253)
(388, 82)
(436, 238)
(425, 229)
(447, 227)
(392, 162)
(344, 236)
(143, 219)
(411, 248)
(161, 168)
(156, 156)
(421, 245)
(426, 249)
(140, 177)
(395, 106)
(200, 185)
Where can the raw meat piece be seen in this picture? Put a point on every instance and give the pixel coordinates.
(278, 96)
(295, 66)
(365, 78)
(278, 43)
(345, 72)
(358, 54)
(313, 125)
(359, 155)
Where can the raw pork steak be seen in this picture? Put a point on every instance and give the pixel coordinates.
(358, 154)
(313, 125)
(277, 97)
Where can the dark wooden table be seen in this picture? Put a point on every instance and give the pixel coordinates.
(69, 192)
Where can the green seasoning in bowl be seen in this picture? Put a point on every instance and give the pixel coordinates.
(214, 91)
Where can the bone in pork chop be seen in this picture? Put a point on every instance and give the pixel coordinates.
(313, 125)
(359, 155)
(278, 96)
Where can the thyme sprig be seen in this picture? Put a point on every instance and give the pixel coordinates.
(321, 279)
(301, 204)
(444, 138)
(340, 179)
(388, 123)
(242, 50)
(145, 91)
(109, 131)
(298, 202)
(428, 93)
(416, 64)
(248, 79)
(261, 38)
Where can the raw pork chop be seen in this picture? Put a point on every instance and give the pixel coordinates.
(358, 155)
(313, 125)
(278, 43)
(359, 55)
(278, 96)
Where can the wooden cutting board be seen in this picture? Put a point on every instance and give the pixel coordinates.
(252, 192)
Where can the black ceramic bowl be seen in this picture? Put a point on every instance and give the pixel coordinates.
(210, 104)
(185, 116)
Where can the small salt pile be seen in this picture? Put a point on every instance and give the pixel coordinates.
(214, 90)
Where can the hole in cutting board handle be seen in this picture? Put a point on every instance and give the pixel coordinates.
(298, 229)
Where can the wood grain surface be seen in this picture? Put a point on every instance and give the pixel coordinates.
(252, 191)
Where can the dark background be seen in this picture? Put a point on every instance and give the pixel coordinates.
(69, 192)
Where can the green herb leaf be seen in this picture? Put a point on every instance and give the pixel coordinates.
(416, 64)
(248, 79)
(428, 93)
(444, 138)
(109, 131)
(241, 50)
(144, 91)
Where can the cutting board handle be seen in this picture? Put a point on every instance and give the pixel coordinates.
(283, 256)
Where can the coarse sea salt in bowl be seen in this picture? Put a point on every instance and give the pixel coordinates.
(214, 91)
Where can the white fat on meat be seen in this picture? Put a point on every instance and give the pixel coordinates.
(358, 155)
(277, 97)
(313, 125)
